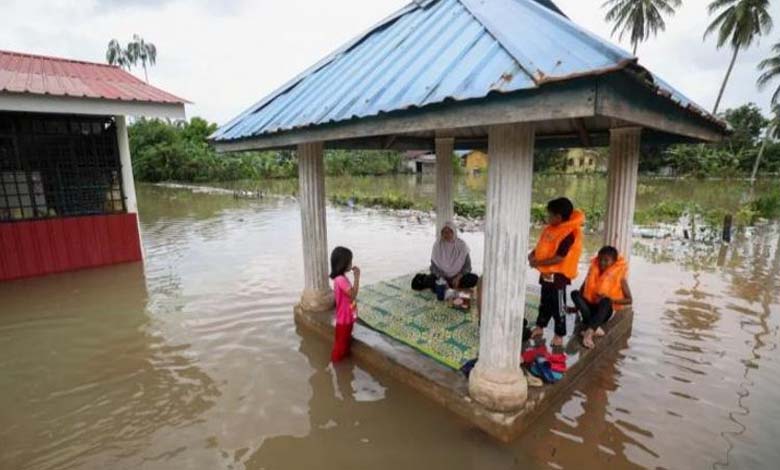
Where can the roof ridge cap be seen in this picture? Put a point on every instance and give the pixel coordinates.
(521, 61)
(57, 59)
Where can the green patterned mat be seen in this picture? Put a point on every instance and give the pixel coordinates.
(449, 335)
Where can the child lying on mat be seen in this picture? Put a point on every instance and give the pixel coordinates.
(604, 291)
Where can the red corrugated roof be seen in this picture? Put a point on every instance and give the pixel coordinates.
(42, 75)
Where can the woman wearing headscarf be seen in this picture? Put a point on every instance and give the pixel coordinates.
(450, 259)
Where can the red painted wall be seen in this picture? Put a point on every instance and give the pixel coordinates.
(38, 247)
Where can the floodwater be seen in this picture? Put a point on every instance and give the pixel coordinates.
(193, 360)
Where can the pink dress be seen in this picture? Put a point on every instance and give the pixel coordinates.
(345, 312)
(345, 319)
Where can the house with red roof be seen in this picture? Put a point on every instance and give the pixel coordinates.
(67, 196)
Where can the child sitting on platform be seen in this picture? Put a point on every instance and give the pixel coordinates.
(605, 290)
(556, 257)
(345, 294)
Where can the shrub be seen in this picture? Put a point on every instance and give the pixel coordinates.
(471, 209)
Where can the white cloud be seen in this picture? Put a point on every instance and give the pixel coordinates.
(225, 55)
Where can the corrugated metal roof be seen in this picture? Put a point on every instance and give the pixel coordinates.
(432, 51)
(41, 75)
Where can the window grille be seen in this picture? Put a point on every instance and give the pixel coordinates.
(57, 165)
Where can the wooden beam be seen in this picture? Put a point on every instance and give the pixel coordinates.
(579, 124)
(623, 98)
(575, 99)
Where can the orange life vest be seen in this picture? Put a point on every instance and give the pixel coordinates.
(606, 284)
(551, 239)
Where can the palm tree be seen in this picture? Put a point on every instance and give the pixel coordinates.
(639, 18)
(115, 55)
(146, 52)
(772, 132)
(770, 69)
(738, 23)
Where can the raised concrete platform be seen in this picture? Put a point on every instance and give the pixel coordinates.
(449, 388)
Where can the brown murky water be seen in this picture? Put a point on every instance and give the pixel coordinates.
(193, 361)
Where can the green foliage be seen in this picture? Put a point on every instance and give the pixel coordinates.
(361, 162)
(471, 209)
(539, 213)
(549, 160)
(639, 19)
(389, 200)
(747, 122)
(164, 151)
(701, 160)
(767, 205)
(739, 23)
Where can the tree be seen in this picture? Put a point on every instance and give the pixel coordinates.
(770, 69)
(772, 131)
(738, 23)
(116, 55)
(639, 18)
(746, 123)
(146, 52)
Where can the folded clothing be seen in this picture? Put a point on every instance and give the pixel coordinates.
(557, 361)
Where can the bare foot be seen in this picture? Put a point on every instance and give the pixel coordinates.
(587, 340)
(557, 341)
(599, 332)
(537, 332)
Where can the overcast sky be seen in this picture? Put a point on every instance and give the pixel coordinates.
(225, 55)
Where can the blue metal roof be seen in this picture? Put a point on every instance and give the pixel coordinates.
(432, 51)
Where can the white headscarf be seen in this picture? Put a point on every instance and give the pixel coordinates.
(450, 256)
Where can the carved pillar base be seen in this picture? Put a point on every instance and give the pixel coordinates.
(317, 300)
(498, 389)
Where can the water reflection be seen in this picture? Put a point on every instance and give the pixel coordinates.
(88, 381)
(358, 420)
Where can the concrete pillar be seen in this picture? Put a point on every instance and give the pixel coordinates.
(444, 181)
(497, 381)
(128, 183)
(317, 295)
(621, 188)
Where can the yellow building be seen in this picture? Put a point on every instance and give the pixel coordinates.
(583, 161)
(475, 162)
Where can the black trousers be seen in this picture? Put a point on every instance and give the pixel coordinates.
(593, 315)
(469, 281)
(428, 281)
(552, 306)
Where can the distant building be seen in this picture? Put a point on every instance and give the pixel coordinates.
(584, 161)
(419, 161)
(67, 196)
(474, 162)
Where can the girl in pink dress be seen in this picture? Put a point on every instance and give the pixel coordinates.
(345, 294)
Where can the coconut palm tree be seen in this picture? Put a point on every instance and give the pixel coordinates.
(772, 132)
(639, 18)
(146, 52)
(770, 69)
(738, 23)
(116, 55)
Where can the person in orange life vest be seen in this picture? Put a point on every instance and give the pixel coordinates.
(345, 294)
(605, 290)
(556, 257)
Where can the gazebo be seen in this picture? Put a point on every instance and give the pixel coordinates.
(503, 75)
